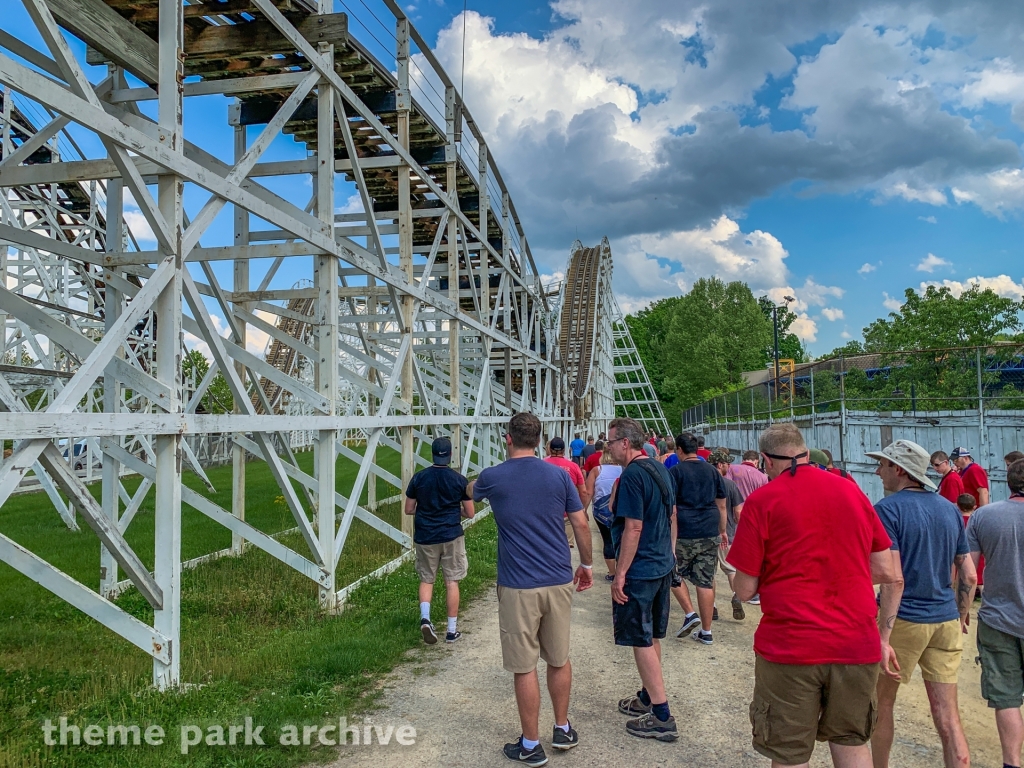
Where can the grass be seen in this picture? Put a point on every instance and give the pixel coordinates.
(254, 641)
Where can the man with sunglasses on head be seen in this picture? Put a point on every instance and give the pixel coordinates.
(950, 486)
(813, 545)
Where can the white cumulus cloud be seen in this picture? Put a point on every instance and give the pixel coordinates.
(931, 262)
(865, 268)
(890, 303)
(1003, 285)
(832, 313)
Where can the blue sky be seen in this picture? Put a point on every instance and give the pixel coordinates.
(837, 151)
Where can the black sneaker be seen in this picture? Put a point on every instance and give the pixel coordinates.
(714, 616)
(691, 621)
(650, 727)
(633, 706)
(534, 757)
(562, 740)
(451, 637)
(703, 637)
(737, 609)
(427, 630)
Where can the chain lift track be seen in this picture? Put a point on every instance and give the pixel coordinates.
(604, 373)
(417, 314)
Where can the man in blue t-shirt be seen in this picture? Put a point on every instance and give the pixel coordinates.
(529, 498)
(920, 619)
(439, 498)
(701, 525)
(577, 446)
(643, 530)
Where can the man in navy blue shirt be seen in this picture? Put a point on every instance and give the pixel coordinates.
(439, 499)
(920, 619)
(643, 530)
(529, 499)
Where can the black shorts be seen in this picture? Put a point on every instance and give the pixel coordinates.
(644, 617)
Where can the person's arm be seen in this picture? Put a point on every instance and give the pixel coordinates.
(584, 578)
(585, 496)
(410, 506)
(745, 585)
(967, 583)
(627, 551)
(982, 497)
(468, 510)
(471, 489)
(737, 510)
(882, 570)
(890, 595)
(592, 481)
(723, 518)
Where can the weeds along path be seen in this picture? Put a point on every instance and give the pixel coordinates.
(460, 700)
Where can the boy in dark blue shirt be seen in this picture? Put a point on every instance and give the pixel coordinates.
(438, 497)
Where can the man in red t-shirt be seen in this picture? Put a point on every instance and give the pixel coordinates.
(950, 486)
(813, 546)
(556, 456)
(702, 452)
(974, 477)
(594, 459)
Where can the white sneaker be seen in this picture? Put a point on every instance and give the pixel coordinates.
(755, 600)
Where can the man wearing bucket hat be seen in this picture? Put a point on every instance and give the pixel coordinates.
(439, 499)
(921, 619)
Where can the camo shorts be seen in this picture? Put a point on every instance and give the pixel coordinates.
(697, 561)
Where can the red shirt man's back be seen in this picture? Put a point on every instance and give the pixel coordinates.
(809, 540)
(575, 473)
(951, 486)
(974, 477)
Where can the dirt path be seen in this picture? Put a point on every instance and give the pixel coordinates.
(460, 701)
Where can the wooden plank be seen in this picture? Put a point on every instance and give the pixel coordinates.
(119, 41)
(261, 38)
(105, 29)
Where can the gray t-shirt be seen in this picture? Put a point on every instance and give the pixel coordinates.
(997, 531)
(733, 499)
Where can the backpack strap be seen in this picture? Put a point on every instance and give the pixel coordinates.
(666, 494)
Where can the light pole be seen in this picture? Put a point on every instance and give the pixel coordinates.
(775, 327)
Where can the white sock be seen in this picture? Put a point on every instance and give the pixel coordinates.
(527, 744)
(692, 613)
(565, 727)
(451, 623)
(425, 611)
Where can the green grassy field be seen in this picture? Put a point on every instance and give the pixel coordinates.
(253, 639)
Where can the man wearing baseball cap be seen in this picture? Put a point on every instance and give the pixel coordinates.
(974, 477)
(921, 620)
(438, 497)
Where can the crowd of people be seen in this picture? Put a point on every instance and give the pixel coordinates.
(792, 533)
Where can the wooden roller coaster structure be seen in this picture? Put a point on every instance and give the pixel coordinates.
(423, 313)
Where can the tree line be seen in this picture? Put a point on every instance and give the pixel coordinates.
(698, 345)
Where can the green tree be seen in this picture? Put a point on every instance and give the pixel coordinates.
(217, 399)
(717, 331)
(937, 318)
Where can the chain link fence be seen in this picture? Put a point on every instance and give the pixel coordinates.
(953, 379)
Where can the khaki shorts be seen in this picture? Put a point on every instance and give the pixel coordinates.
(534, 623)
(451, 556)
(728, 570)
(794, 705)
(936, 647)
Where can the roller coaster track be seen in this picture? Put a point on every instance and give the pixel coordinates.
(604, 373)
(284, 357)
